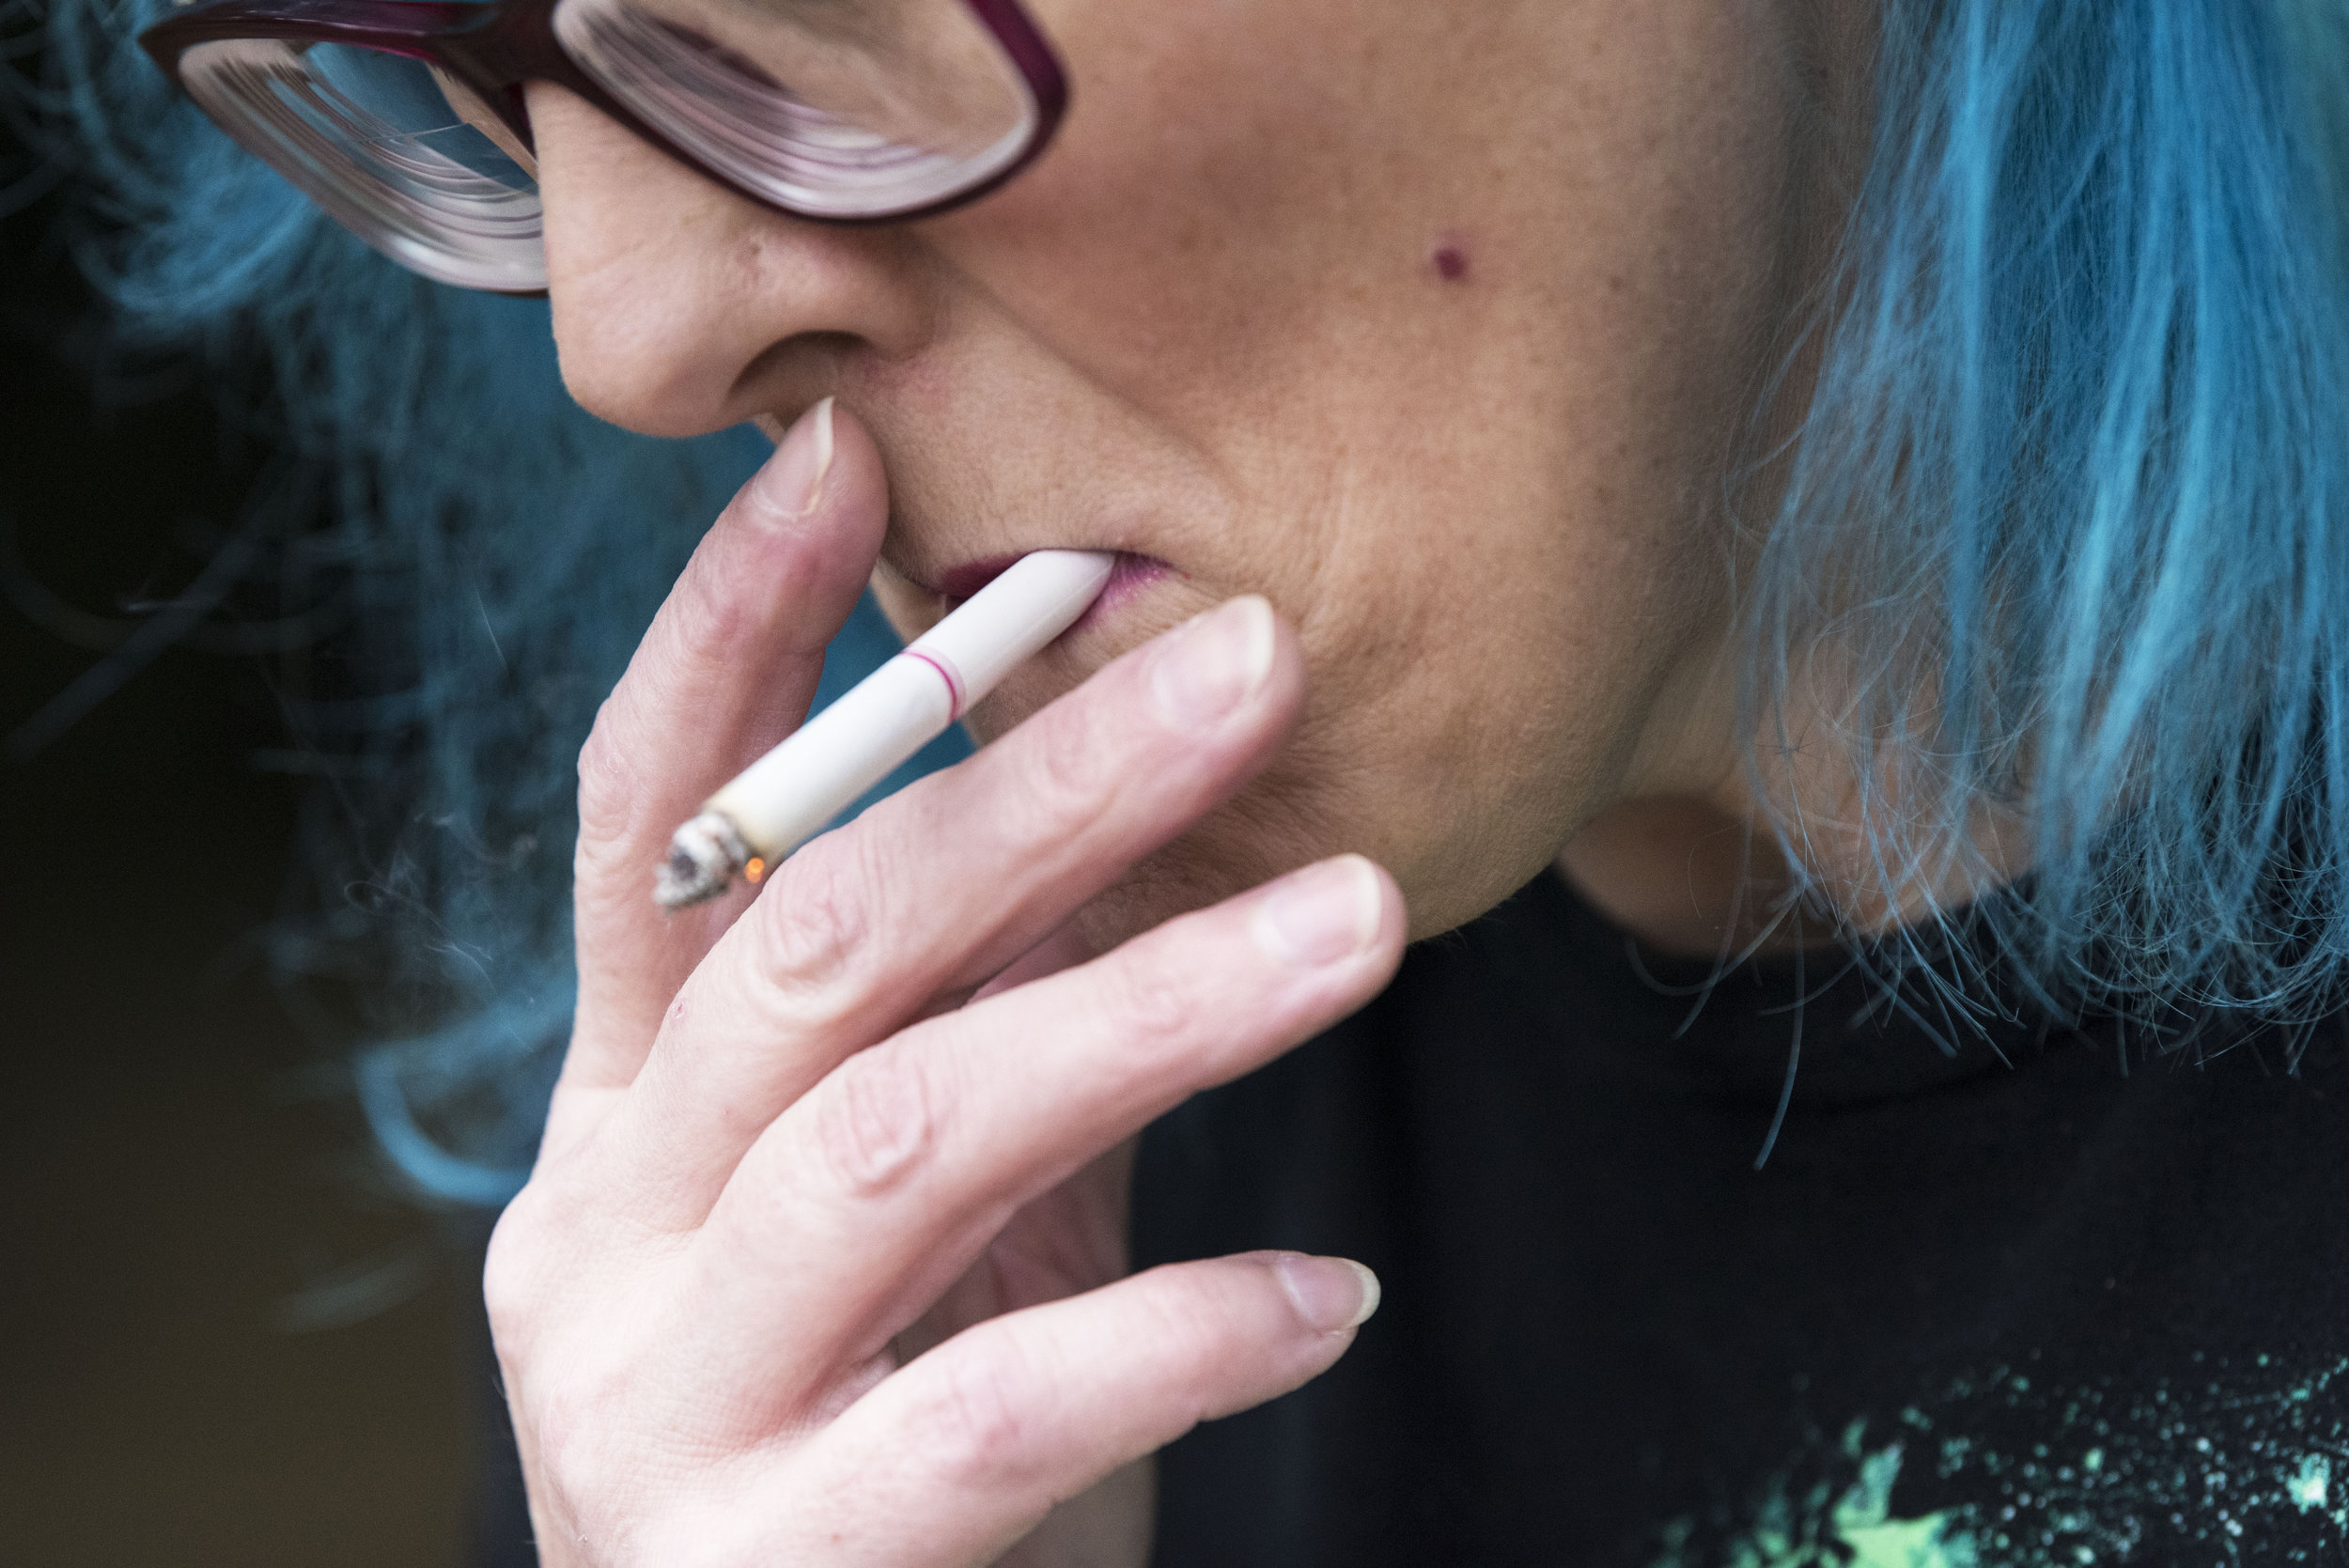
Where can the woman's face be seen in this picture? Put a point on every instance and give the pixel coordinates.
(1437, 325)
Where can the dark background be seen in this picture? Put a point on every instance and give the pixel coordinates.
(224, 1339)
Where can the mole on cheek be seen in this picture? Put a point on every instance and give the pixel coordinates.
(1450, 258)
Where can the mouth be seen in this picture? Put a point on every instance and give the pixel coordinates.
(1131, 573)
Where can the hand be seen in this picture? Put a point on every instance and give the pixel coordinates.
(824, 1261)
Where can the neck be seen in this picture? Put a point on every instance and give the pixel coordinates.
(1689, 878)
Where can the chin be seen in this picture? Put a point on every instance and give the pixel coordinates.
(1183, 877)
(1258, 834)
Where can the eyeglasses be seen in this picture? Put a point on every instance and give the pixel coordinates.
(404, 118)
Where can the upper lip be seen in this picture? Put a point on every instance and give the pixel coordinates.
(959, 583)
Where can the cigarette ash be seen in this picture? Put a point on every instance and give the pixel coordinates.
(705, 857)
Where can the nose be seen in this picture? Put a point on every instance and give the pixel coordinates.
(682, 307)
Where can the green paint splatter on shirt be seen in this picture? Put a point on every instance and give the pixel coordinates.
(1863, 1527)
(2225, 1467)
(2307, 1487)
(1854, 1529)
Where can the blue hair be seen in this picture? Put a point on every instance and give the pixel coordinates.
(503, 551)
(2062, 535)
(2062, 547)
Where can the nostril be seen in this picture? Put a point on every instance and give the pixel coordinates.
(808, 359)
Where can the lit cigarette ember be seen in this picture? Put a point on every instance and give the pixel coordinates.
(784, 798)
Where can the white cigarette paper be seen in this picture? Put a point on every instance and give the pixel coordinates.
(787, 796)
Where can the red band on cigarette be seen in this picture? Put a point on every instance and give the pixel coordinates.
(947, 672)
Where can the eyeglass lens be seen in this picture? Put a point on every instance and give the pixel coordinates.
(829, 108)
(375, 139)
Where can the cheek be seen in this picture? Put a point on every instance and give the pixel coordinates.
(1181, 238)
(1472, 706)
(1465, 323)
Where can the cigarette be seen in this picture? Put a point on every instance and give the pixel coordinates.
(787, 797)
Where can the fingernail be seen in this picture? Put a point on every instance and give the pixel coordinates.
(1321, 915)
(1332, 1294)
(794, 476)
(1212, 665)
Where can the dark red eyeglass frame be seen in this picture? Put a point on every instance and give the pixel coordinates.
(494, 47)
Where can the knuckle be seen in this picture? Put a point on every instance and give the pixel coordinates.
(506, 1294)
(970, 1429)
(875, 1120)
(814, 930)
(1069, 777)
(1187, 1324)
(511, 1274)
(1154, 1002)
(608, 783)
(708, 620)
(695, 641)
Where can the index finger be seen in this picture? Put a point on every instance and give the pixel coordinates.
(727, 669)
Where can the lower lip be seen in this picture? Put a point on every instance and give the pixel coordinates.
(1127, 578)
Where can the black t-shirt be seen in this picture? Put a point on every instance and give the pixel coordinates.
(2046, 1299)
